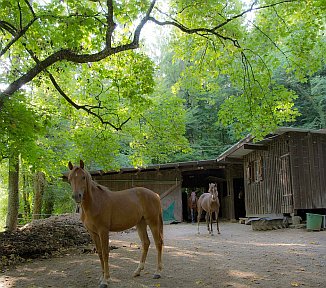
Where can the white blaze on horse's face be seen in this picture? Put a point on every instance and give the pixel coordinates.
(78, 184)
(213, 190)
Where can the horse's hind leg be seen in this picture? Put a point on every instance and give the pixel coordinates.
(198, 217)
(157, 232)
(218, 229)
(142, 232)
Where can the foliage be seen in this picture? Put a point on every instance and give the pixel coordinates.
(207, 138)
(248, 51)
(74, 86)
(311, 100)
(245, 41)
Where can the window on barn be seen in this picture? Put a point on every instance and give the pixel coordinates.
(255, 171)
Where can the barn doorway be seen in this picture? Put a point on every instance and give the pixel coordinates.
(198, 180)
(239, 198)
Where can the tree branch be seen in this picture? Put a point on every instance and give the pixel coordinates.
(17, 36)
(108, 50)
(199, 31)
(110, 23)
(8, 27)
(86, 108)
(143, 22)
(69, 55)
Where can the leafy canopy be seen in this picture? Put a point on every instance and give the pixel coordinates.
(74, 47)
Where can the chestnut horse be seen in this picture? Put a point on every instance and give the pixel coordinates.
(210, 203)
(192, 205)
(103, 211)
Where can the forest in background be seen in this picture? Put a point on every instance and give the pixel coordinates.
(202, 88)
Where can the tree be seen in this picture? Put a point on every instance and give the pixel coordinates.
(44, 38)
(311, 101)
(206, 137)
(19, 126)
(13, 195)
(39, 185)
(248, 53)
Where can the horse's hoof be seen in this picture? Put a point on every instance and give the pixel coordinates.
(103, 286)
(156, 276)
(136, 273)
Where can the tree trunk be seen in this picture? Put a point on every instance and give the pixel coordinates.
(39, 184)
(48, 200)
(26, 193)
(13, 197)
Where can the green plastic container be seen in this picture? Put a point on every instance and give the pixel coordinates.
(314, 221)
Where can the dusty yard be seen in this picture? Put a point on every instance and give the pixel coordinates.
(238, 257)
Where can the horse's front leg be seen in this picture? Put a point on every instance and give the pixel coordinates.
(97, 242)
(104, 241)
(208, 217)
(192, 215)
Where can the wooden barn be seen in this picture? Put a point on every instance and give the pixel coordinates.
(285, 173)
(173, 182)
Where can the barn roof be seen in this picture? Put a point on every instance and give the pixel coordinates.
(245, 146)
(183, 166)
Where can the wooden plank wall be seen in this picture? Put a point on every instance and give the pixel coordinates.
(265, 197)
(294, 175)
(167, 183)
(308, 164)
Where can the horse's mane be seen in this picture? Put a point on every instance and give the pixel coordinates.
(89, 179)
(101, 187)
(91, 182)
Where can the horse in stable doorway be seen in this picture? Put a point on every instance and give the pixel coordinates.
(210, 203)
(192, 205)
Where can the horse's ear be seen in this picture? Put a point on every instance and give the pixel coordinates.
(81, 164)
(70, 165)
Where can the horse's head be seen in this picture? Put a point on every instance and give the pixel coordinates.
(78, 179)
(213, 190)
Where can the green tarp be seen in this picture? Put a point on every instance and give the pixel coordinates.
(168, 213)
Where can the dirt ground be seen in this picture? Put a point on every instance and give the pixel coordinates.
(238, 257)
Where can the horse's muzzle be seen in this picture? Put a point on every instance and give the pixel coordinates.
(78, 197)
